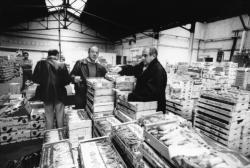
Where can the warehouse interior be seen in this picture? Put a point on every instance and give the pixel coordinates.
(201, 45)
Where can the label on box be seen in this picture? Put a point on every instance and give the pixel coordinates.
(37, 114)
(34, 134)
(10, 121)
(8, 129)
(40, 124)
(8, 137)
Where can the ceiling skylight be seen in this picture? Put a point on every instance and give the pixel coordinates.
(53, 5)
(73, 6)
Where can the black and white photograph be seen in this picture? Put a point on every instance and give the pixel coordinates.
(124, 84)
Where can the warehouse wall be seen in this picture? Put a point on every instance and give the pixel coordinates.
(209, 38)
(218, 35)
(172, 45)
(74, 45)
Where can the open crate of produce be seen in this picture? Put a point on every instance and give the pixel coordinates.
(54, 135)
(152, 138)
(104, 125)
(57, 154)
(121, 116)
(186, 148)
(127, 138)
(155, 160)
(99, 153)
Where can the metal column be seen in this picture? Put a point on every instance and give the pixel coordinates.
(191, 42)
(59, 36)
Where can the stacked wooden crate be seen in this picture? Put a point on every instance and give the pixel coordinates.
(179, 107)
(79, 126)
(220, 115)
(100, 97)
(243, 78)
(136, 110)
(6, 70)
(245, 136)
(230, 69)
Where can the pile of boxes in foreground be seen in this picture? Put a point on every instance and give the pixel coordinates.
(20, 122)
(224, 117)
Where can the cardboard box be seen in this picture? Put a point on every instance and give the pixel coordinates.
(37, 114)
(40, 124)
(23, 135)
(36, 104)
(11, 121)
(8, 138)
(36, 134)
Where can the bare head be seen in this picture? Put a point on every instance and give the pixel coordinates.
(53, 54)
(149, 54)
(25, 55)
(93, 53)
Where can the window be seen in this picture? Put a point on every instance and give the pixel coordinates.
(73, 6)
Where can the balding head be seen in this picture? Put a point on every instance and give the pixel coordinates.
(93, 53)
(149, 54)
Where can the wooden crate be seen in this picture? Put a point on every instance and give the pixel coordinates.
(157, 145)
(230, 144)
(230, 136)
(225, 105)
(236, 117)
(101, 107)
(218, 122)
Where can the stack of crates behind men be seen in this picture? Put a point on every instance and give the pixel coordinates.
(100, 97)
(180, 100)
(221, 116)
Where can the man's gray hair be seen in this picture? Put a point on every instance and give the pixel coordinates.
(153, 50)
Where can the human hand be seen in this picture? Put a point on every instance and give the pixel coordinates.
(77, 79)
(116, 69)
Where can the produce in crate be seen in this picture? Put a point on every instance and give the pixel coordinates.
(188, 149)
(104, 124)
(129, 138)
(99, 153)
(57, 155)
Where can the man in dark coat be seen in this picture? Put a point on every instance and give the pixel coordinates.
(83, 69)
(52, 77)
(151, 79)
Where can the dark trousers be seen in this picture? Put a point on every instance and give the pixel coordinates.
(80, 101)
(26, 76)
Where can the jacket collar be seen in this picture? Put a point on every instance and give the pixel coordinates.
(153, 62)
(86, 60)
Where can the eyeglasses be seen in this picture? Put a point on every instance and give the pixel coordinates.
(144, 55)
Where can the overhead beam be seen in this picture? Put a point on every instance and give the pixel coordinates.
(243, 23)
(185, 28)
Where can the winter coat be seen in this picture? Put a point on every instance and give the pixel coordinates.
(52, 77)
(150, 85)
